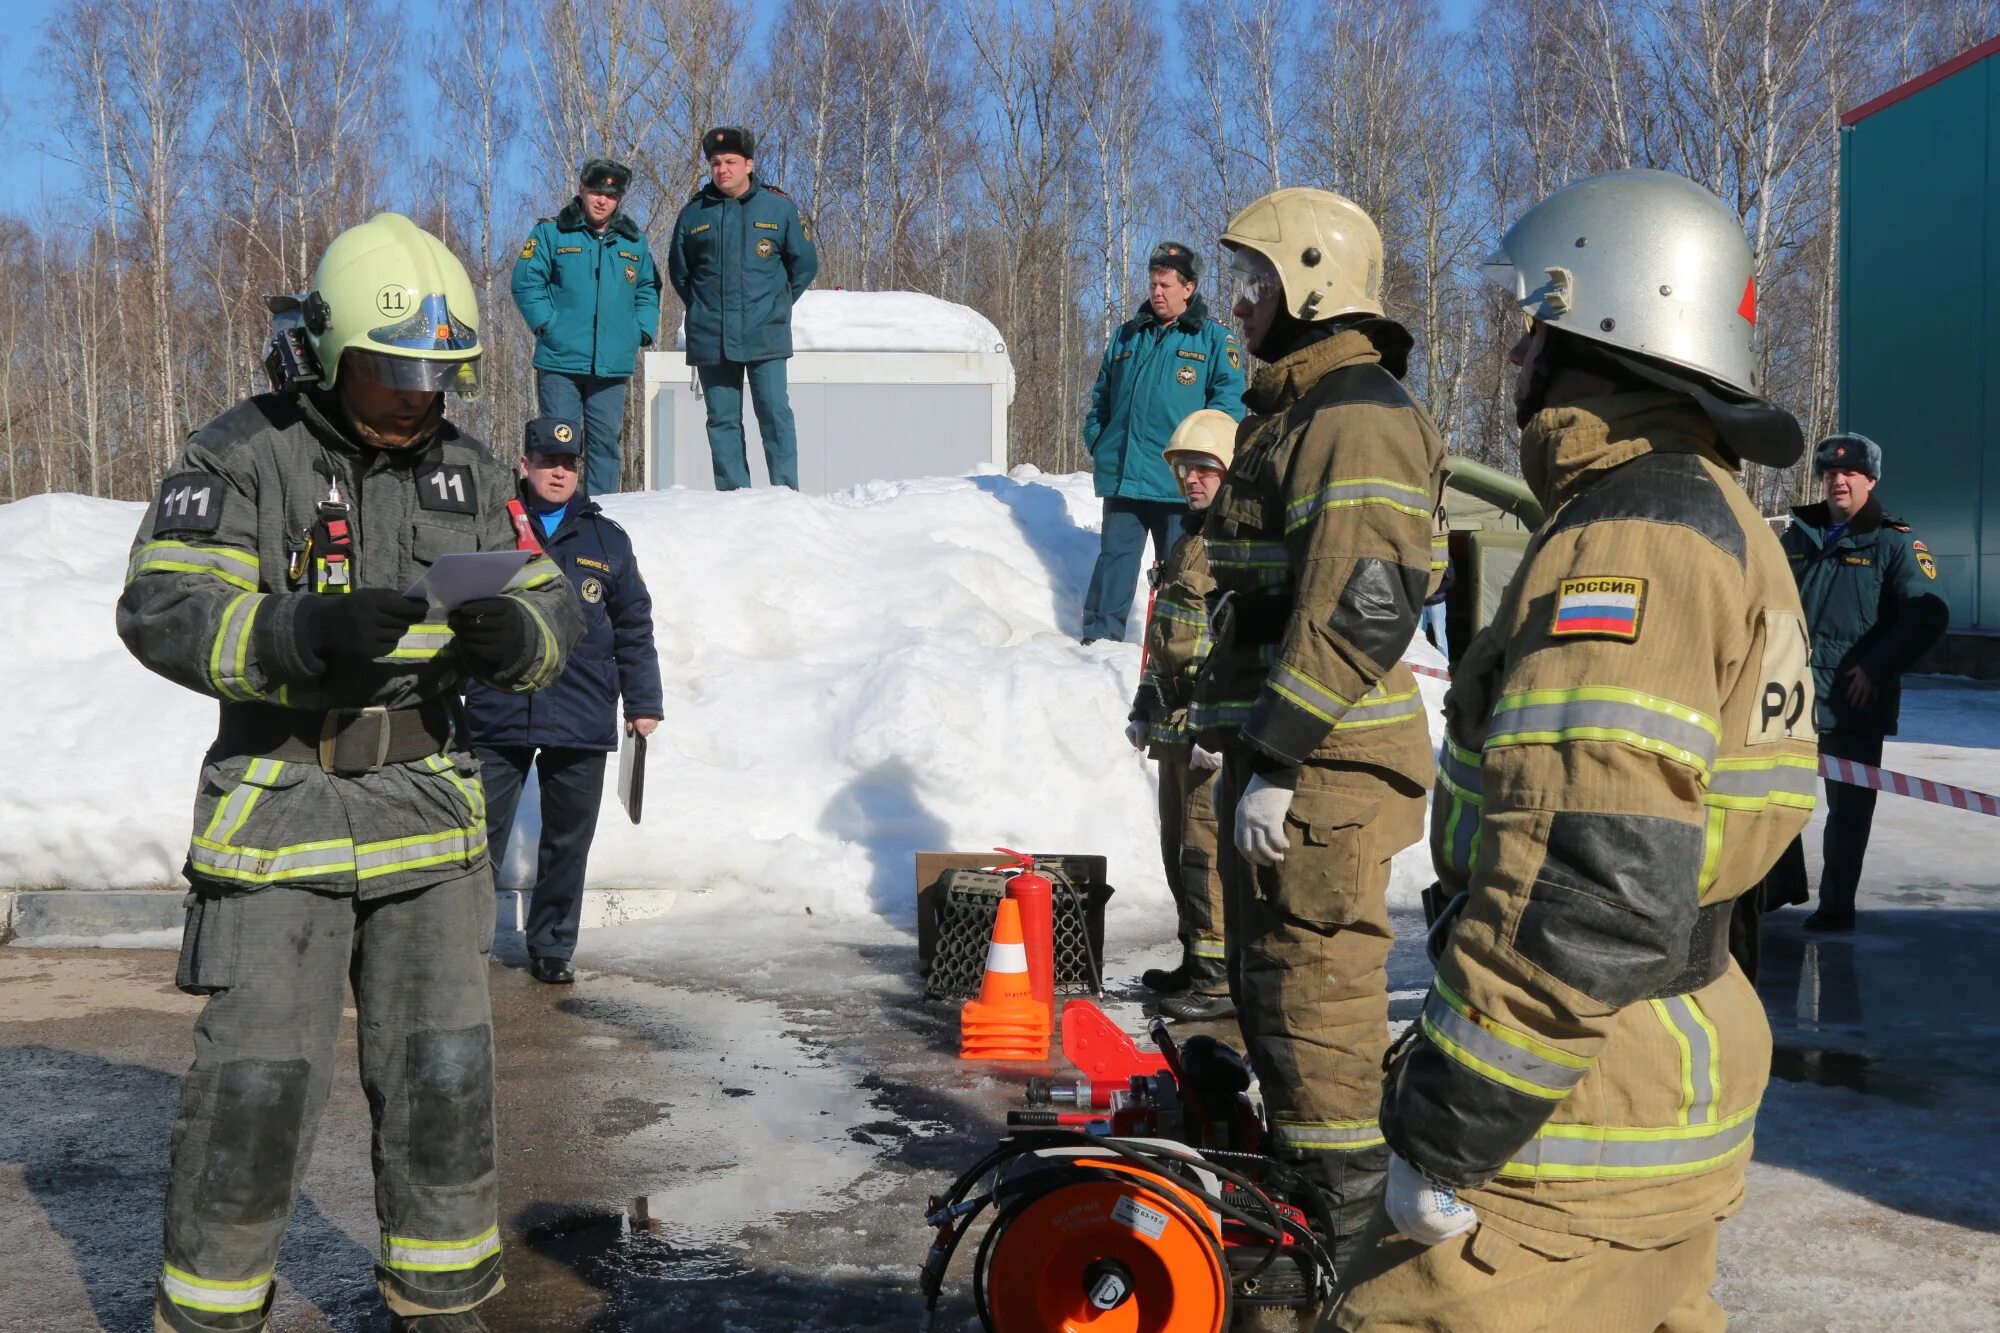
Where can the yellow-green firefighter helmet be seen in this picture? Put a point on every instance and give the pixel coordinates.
(1326, 250)
(393, 303)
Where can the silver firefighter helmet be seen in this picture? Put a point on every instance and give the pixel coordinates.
(1644, 261)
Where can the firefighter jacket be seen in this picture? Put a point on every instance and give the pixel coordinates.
(592, 299)
(217, 574)
(1152, 378)
(1177, 643)
(614, 657)
(1320, 543)
(1629, 746)
(739, 265)
(1872, 600)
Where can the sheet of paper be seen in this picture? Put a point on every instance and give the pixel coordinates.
(632, 774)
(465, 576)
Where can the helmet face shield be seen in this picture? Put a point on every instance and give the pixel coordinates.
(1252, 277)
(409, 375)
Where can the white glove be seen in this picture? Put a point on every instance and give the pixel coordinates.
(1260, 822)
(1204, 761)
(1135, 733)
(1426, 1213)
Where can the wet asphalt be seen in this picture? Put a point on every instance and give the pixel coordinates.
(789, 1114)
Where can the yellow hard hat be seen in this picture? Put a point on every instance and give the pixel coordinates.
(395, 302)
(1327, 252)
(1208, 431)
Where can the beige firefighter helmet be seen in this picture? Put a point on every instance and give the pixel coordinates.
(1326, 251)
(395, 303)
(1209, 432)
(1644, 261)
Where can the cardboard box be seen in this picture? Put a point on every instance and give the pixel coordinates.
(1081, 870)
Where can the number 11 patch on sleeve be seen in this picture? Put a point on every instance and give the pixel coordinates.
(1601, 608)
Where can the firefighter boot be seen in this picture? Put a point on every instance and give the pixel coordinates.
(1206, 999)
(1168, 980)
(1349, 1185)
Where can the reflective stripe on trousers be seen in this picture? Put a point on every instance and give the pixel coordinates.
(217, 1297)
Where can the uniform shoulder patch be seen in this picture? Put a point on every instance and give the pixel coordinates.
(189, 502)
(1605, 607)
(1925, 562)
(528, 248)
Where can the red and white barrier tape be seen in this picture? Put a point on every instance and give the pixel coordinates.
(1862, 775)
(1902, 784)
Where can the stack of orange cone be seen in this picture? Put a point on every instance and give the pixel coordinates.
(1006, 1022)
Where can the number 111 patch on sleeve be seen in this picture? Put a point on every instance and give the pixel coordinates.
(1609, 607)
(190, 502)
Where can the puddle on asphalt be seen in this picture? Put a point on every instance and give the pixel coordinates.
(1826, 1069)
(613, 1251)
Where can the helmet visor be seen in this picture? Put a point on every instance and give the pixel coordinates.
(410, 375)
(1253, 277)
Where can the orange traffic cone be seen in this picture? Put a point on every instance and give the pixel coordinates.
(1006, 1022)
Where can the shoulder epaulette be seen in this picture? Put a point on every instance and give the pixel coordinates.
(774, 190)
(1895, 523)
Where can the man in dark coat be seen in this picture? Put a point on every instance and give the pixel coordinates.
(740, 257)
(567, 730)
(1869, 588)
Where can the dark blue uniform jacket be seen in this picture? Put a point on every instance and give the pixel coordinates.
(615, 655)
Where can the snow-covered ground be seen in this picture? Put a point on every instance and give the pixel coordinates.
(849, 679)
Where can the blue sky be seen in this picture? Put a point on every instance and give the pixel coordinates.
(29, 172)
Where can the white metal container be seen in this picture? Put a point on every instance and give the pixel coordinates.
(884, 386)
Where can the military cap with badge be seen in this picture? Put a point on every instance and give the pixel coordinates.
(604, 176)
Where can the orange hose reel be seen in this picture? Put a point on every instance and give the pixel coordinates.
(1109, 1255)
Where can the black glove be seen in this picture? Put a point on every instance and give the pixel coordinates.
(492, 632)
(359, 625)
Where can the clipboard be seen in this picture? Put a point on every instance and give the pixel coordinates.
(632, 774)
(459, 577)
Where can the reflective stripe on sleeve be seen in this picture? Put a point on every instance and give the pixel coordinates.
(216, 1297)
(1356, 492)
(1752, 784)
(1327, 1135)
(439, 1256)
(1601, 713)
(1289, 683)
(1181, 615)
(1459, 777)
(1603, 1152)
(1512, 1059)
(236, 568)
(1377, 709)
(229, 652)
(420, 643)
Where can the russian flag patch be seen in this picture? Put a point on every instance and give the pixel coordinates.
(1604, 608)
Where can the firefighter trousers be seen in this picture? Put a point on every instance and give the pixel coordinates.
(1308, 947)
(276, 964)
(1188, 853)
(1490, 1282)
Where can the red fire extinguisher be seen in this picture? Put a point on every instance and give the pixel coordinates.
(1033, 892)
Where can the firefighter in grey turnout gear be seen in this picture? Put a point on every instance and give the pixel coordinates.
(339, 828)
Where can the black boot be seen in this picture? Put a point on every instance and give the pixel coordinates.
(1206, 997)
(553, 971)
(1167, 981)
(1350, 1186)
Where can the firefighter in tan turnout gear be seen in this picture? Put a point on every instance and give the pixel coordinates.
(1630, 746)
(339, 827)
(1177, 645)
(1320, 545)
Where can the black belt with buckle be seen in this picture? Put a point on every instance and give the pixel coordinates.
(1708, 951)
(343, 741)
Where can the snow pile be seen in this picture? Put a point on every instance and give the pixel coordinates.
(849, 679)
(840, 321)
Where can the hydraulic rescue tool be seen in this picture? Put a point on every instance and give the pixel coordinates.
(1134, 1202)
